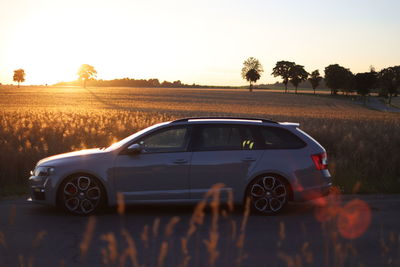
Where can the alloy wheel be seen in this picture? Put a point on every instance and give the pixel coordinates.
(81, 195)
(268, 194)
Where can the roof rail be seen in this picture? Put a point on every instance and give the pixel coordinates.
(224, 118)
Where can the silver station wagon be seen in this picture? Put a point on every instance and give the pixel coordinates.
(268, 162)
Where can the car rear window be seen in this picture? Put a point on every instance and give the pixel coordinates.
(224, 137)
(279, 138)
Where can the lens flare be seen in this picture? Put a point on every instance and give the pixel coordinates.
(327, 208)
(354, 219)
(327, 213)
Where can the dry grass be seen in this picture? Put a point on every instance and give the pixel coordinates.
(36, 122)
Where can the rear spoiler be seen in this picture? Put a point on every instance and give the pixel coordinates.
(290, 124)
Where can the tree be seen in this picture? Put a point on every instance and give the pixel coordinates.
(154, 82)
(365, 82)
(338, 78)
(349, 83)
(19, 76)
(86, 72)
(297, 75)
(252, 76)
(177, 83)
(397, 72)
(282, 68)
(315, 79)
(251, 71)
(389, 81)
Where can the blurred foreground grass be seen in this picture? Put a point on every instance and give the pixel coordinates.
(333, 231)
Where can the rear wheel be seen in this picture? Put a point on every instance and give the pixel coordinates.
(268, 194)
(81, 194)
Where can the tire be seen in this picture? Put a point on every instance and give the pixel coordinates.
(81, 194)
(268, 194)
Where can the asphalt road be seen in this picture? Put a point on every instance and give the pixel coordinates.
(34, 235)
(377, 104)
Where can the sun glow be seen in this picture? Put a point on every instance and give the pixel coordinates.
(193, 41)
(51, 47)
(49, 52)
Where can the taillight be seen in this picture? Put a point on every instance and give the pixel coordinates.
(320, 161)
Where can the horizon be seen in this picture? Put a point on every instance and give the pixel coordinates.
(195, 42)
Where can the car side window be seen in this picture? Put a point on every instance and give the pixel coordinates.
(223, 137)
(278, 138)
(167, 140)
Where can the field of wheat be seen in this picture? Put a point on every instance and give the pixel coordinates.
(36, 122)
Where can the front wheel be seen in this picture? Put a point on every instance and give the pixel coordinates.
(268, 194)
(81, 195)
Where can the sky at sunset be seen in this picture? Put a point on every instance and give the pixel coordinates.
(202, 42)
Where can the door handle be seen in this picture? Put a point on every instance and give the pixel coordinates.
(248, 159)
(180, 161)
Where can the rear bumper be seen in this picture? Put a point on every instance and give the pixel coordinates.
(312, 193)
(322, 182)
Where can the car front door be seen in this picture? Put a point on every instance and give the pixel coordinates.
(221, 154)
(160, 171)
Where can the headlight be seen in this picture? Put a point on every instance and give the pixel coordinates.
(43, 171)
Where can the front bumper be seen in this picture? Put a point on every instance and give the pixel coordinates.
(39, 189)
(38, 194)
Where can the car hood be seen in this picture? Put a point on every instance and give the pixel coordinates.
(82, 154)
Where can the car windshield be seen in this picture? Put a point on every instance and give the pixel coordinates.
(126, 140)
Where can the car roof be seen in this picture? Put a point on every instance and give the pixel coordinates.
(224, 119)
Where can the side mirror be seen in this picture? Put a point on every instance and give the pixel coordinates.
(134, 149)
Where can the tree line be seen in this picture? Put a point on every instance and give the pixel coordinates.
(337, 78)
(87, 75)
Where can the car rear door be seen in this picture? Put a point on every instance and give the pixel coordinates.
(222, 153)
